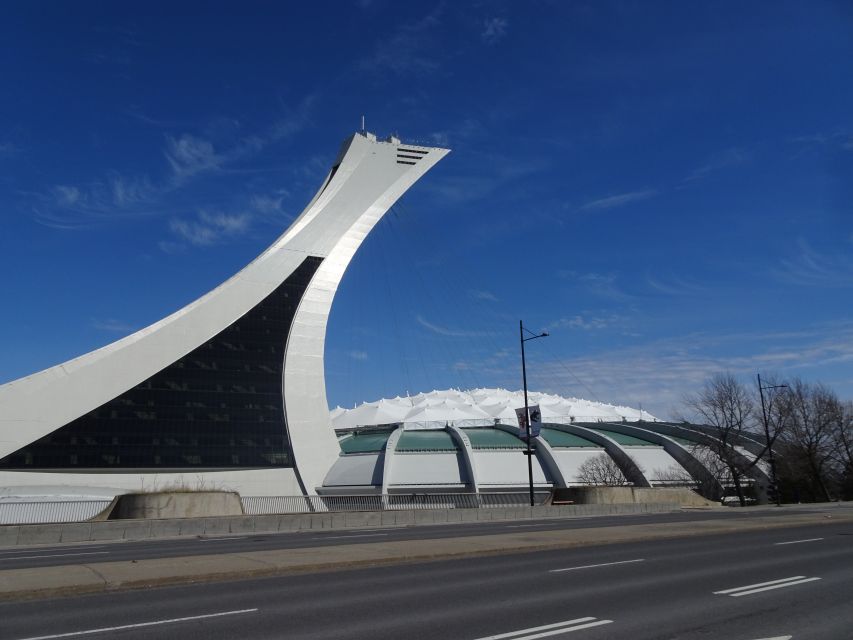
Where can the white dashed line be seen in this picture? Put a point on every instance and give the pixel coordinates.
(547, 630)
(141, 624)
(593, 566)
(797, 541)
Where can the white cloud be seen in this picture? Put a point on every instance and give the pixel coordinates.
(722, 160)
(618, 200)
(112, 325)
(494, 29)
(588, 322)
(189, 155)
(813, 269)
(483, 295)
(67, 196)
(445, 331)
(209, 228)
(358, 355)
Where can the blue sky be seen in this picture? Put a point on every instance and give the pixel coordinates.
(666, 187)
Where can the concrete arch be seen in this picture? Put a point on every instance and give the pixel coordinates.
(680, 453)
(626, 464)
(544, 454)
(388, 463)
(467, 452)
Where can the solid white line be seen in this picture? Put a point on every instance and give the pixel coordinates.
(141, 624)
(775, 586)
(592, 566)
(55, 555)
(218, 539)
(797, 541)
(513, 634)
(363, 535)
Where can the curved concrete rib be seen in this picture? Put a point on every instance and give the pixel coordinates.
(467, 451)
(388, 464)
(679, 453)
(626, 464)
(544, 454)
(703, 438)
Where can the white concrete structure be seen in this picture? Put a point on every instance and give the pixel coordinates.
(174, 403)
(468, 441)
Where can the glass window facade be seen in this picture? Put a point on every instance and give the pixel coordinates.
(218, 407)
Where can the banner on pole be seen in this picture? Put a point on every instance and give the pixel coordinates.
(535, 420)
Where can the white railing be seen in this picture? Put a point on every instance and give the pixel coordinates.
(49, 511)
(257, 505)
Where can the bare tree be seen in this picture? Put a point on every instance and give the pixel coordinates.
(601, 470)
(727, 406)
(843, 440)
(816, 415)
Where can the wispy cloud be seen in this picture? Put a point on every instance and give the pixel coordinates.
(589, 322)
(357, 355)
(603, 285)
(112, 325)
(448, 332)
(674, 286)
(494, 29)
(410, 50)
(722, 160)
(209, 228)
(813, 269)
(659, 374)
(483, 295)
(189, 155)
(842, 139)
(619, 200)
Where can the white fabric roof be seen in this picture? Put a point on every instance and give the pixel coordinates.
(478, 406)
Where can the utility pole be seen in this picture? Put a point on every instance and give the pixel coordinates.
(770, 458)
(528, 451)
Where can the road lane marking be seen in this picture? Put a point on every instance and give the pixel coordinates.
(55, 555)
(592, 566)
(141, 624)
(51, 550)
(764, 586)
(797, 541)
(362, 535)
(218, 539)
(520, 526)
(567, 626)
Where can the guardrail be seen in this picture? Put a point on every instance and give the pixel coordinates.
(39, 512)
(258, 505)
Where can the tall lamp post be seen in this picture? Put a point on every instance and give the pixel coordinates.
(528, 452)
(761, 390)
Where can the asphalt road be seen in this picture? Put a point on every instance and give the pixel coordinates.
(777, 583)
(22, 558)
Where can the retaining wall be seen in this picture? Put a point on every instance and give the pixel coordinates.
(12, 535)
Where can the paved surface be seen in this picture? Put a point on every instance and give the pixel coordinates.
(763, 583)
(19, 557)
(88, 568)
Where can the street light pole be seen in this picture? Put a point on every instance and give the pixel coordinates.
(528, 451)
(767, 436)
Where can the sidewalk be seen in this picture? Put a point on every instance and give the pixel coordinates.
(108, 576)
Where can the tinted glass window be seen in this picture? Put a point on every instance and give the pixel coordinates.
(220, 406)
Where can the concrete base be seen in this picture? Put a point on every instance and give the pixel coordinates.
(635, 495)
(175, 504)
(34, 534)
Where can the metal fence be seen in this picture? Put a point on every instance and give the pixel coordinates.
(256, 505)
(39, 512)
